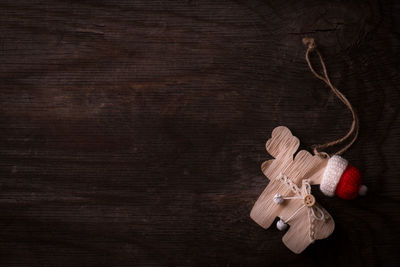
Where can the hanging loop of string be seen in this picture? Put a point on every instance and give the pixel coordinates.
(311, 47)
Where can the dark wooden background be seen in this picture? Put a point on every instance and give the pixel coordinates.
(132, 132)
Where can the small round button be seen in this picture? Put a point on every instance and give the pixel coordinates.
(309, 200)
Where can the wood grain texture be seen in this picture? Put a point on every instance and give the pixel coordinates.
(296, 168)
(132, 132)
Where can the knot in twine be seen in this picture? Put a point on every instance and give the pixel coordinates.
(310, 42)
(311, 47)
(314, 212)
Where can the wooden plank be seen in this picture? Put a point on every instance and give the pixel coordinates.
(131, 132)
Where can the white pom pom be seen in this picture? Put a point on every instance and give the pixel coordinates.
(281, 225)
(363, 190)
(278, 199)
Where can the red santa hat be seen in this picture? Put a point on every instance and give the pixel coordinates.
(341, 179)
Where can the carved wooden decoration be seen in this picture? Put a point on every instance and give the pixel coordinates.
(290, 179)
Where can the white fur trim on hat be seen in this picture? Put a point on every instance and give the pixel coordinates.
(333, 171)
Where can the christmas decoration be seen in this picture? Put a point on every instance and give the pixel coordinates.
(288, 195)
(341, 179)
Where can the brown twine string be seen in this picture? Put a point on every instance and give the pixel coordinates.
(310, 43)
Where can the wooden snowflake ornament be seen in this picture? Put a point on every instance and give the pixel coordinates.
(288, 194)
